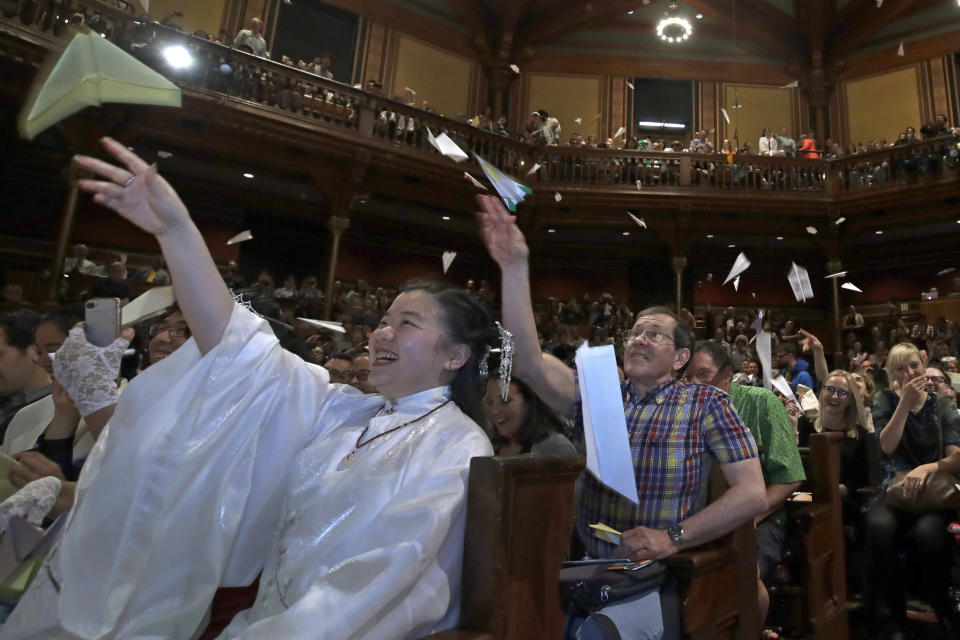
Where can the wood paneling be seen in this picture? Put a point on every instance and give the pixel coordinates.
(899, 94)
(442, 78)
(566, 97)
(374, 57)
(761, 106)
(197, 16)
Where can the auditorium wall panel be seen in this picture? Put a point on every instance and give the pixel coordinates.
(760, 106)
(442, 78)
(197, 16)
(566, 97)
(882, 105)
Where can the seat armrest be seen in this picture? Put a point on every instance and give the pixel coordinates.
(697, 560)
(811, 512)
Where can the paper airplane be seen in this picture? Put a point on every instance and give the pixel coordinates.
(753, 294)
(741, 264)
(475, 182)
(534, 169)
(900, 50)
(639, 184)
(640, 221)
(447, 147)
(243, 236)
(410, 90)
(606, 533)
(780, 384)
(839, 220)
(619, 132)
(736, 283)
(514, 68)
(838, 274)
(726, 116)
(765, 356)
(812, 231)
(557, 196)
(800, 283)
(944, 272)
(578, 120)
(792, 85)
(849, 286)
(510, 191)
(324, 324)
(89, 72)
(151, 304)
(879, 3)
(448, 257)
(630, 84)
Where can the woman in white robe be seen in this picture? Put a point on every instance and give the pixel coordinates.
(233, 456)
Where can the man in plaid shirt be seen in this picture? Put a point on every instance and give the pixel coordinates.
(673, 426)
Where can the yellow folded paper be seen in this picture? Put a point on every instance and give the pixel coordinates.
(89, 72)
(606, 533)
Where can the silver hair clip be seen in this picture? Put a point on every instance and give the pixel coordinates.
(483, 367)
(506, 361)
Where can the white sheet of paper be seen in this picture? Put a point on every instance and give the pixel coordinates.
(557, 196)
(726, 116)
(534, 169)
(741, 264)
(640, 221)
(432, 140)
(800, 283)
(449, 148)
(243, 236)
(324, 324)
(780, 384)
(849, 286)
(448, 258)
(152, 303)
(604, 425)
(620, 132)
(475, 182)
(838, 274)
(765, 356)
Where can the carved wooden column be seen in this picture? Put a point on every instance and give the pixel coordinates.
(679, 264)
(834, 266)
(66, 230)
(337, 226)
(499, 78)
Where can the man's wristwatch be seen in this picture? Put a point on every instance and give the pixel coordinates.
(676, 535)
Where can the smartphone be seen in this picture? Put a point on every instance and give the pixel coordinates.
(102, 320)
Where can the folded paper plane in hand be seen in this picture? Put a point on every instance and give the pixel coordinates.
(243, 236)
(741, 264)
(800, 283)
(606, 533)
(511, 191)
(448, 258)
(324, 324)
(153, 303)
(89, 72)
(604, 425)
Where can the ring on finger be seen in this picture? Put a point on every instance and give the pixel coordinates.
(130, 180)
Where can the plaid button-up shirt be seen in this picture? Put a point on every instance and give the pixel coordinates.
(672, 428)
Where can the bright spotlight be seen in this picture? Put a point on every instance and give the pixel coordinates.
(178, 57)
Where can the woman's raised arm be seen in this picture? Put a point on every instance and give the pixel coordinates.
(137, 192)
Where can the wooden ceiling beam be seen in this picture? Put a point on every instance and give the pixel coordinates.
(861, 30)
(750, 26)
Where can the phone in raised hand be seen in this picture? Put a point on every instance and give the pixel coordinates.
(102, 320)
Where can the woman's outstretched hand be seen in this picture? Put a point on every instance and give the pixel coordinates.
(134, 190)
(503, 238)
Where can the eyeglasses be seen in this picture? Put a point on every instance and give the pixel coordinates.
(655, 336)
(340, 376)
(935, 379)
(157, 329)
(840, 393)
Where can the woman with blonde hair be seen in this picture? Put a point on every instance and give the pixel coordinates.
(919, 433)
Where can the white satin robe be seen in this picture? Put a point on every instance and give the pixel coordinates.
(214, 465)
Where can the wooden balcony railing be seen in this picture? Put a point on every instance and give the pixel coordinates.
(250, 80)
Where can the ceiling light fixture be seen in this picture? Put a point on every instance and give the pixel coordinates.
(672, 28)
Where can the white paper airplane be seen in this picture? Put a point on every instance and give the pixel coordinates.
(736, 283)
(448, 257)
(630, 84)
(900, 51)
(849, 286)
(640, 221)
(324, 324)
(840, 220)
(741, 264)
(838, 274)
(619, 132)
(514, 68)
(510, 190)
(792, 85)
(800, 283)
(447, 147)
(152, 303)
(944, 272)
(243, 236)
(879, 3)
(578, 120)
(812, 231)
(639, 184)
(726, 116)
(475, 182)
(535, 168)
(557, 196)
(410, 90)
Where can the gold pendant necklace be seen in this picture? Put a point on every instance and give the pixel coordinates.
(347, 461)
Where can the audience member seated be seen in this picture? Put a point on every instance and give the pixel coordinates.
(522, 423)
(115, 285)
(78, 262)
(919, 434)
(251, 39)
(689, 421)
(24, 386)
(361, 374)
(154, 274)
(794, 369)
(780, 462)
(13, 299)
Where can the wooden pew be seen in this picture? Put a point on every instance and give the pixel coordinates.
(519, 520)
(717, 582)
(817, 602)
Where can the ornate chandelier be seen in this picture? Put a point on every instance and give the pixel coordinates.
(673, 28)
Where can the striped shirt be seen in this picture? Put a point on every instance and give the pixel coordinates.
(672, 429)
